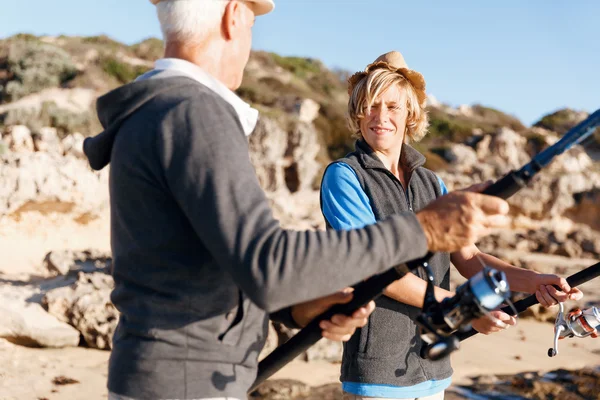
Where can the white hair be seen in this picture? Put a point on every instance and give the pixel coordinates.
(186, 19)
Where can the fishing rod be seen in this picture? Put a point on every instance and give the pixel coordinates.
(574, 324)
(577, 279)
(373, 287)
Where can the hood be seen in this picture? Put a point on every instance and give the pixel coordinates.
(116, 106)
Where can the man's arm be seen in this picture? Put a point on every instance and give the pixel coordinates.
(207, 168)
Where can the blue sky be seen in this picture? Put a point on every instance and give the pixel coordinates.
(526, 58)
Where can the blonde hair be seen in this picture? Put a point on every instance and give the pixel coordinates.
(371, 86)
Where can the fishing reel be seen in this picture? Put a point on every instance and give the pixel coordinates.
(483, 293)
(577, 323)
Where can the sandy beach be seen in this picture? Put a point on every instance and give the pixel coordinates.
(35, 373)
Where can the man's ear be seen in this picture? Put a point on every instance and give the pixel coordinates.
(232, 19)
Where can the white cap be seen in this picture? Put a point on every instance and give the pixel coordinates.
(261, 7)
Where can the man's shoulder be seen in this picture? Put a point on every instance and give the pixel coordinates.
(187, 89)
(179, 91)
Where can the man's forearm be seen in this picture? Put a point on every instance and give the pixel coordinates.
(411, 290)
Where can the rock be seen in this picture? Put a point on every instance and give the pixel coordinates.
(19, 139)
(303, 147)
(580, 241)
(507, 149)
(558, 384)
(73, 144)
(268, 144)
(50, 182)
(47, 140)
(30, 325)
(586, 208)
(288, 389)
(63, 380)
(483, 147)
(557, 189)
(569, 248)
(86, 305)
(281, 389)
(326, 350)
(285, 161)
(464, 157)
(298, 210)
(60, 262)
(307, 110)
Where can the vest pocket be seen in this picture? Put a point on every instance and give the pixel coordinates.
(232, 323)
(363, 337)
(390, 332)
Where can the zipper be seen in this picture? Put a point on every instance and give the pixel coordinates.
(420, 273)
(410, 208)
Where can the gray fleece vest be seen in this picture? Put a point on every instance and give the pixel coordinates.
(386, 350)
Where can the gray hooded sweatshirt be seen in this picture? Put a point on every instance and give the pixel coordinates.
(198, 259)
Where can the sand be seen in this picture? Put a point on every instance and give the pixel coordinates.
(28, 373)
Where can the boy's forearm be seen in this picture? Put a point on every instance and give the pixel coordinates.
(519, 279)
(411, 290)
(468, 262)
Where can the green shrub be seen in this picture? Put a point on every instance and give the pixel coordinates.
(25, 37)
(326, 83)
(150, 49)
(104, 41)
(20, 116)
(258, 92)
(299, 66)
(122, 72)
(51, 115)
(269, 91)
(444, 127)
(497, 118)
(33, 66)
(560, 121)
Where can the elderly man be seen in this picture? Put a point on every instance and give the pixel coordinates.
(199, 260)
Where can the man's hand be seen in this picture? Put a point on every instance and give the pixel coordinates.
(549, 296)
(461, 218)
(486, 325)
(340, 327)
